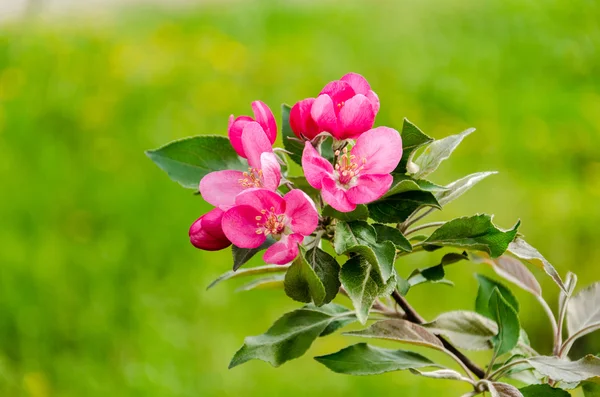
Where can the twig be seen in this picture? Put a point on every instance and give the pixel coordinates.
(424, 226)
(414, 317)
(410, 221)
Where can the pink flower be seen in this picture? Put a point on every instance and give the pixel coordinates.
(206, 233)
(361, 175)
(262, 115)
(259, 213)
(220, 188)
(345, 108)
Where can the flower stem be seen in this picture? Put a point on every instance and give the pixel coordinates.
(414, 317)
(424, 226)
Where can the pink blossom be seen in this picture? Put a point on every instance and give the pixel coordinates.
(206, 233)
(361, 175)
(259, 213)
(262, 115)
(345, 108)
(220, 188)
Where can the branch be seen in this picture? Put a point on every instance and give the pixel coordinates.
(414, 317)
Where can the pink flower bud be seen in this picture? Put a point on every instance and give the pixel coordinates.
(301, 122)
(262, 115)
(206, 232)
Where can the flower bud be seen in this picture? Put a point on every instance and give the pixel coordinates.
(206, 232)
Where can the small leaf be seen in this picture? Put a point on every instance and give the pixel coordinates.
(567, 371)
(290, 336)
(590, 389)
(397, 208)
(302, 283)
(404, 183)
(436, 273)
(241, 256)
(361, 213)
(188, 160)
(466, 330)
(498, 389)
(583, 313)
(440, 374)
(437, 152)
(268, 282)
(301, 183)
(486, 287)
(363, 359)
(327, 269)
(363, 284)
(400, 331)
(388, 233)
(475, 232)
(291, 143)
(543, 391)
(566, 294)
(360, 237)
(516, 272)
(461, 186)
(523, 250)
(412, 139)
(248, 272)
(508, 323)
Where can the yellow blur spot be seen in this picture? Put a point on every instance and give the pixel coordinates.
(36, 385)
(11, 81)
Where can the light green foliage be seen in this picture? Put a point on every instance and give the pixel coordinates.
(486, 288)
(543, 391)
(507, 320)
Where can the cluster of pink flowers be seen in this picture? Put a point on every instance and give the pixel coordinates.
(248, 206)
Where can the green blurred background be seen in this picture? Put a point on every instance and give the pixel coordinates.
(101, 293)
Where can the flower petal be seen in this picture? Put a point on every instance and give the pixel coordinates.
(315, 167)
(206, 232)
(264, 117)
(284, 251)
(356, 116)
(234, 130)
(255, 142)
(261, 199)
(324, 114)
(220, 188)
(335, 196)
(239, 225)
(301, 211)
(301, 121)
(374, 99)
(339, 91)
(271, 171)
(381, 147)
(369, 188)
(359, 84)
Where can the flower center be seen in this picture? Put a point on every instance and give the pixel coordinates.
(252, 178)
(347, 167)
(270, 222)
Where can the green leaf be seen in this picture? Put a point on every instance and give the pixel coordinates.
(466, 330)
(360, 213)
(253, 271)
(590, 389)
(438, 151)
(291, 143)
(404, 183)
(461, 186)
(290, 336)
(523, 250)
(363, 359)
(567, 371)
(267, 282)
(400, 331)
(360, 237)
(397, 208)
(363, 284)
(543, 391)
(302, 283)
(486, 288)
(412, 139)
(301, 183)
(507, 321)
(388, 233)
(475, 233)
(583, 313)
(436, 273)
(241, 256)
(188, 160)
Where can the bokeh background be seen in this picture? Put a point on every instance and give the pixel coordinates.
(100, 292)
